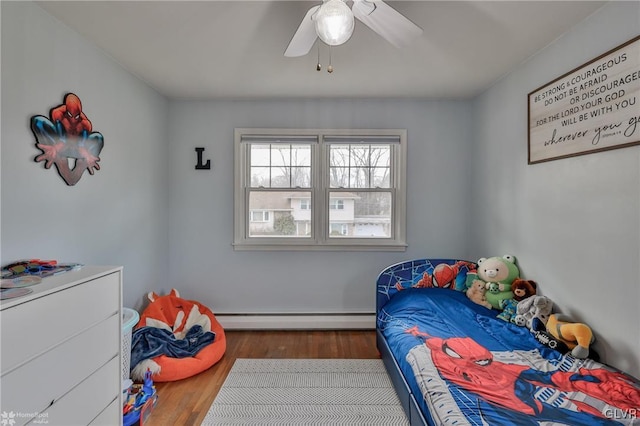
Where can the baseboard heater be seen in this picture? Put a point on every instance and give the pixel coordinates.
(297, 321)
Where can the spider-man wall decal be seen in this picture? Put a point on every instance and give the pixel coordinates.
(65, 137)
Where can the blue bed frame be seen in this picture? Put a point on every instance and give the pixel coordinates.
(405, 273)
(407, 399)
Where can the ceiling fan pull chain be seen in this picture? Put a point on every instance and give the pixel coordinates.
(318, 67)
(330, 67)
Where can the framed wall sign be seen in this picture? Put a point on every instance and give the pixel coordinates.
(595, 107)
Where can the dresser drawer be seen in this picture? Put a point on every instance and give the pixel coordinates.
(110, 416)
(32, 328)
(46, 379)
(87, 400)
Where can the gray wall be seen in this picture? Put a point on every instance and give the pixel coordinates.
(118, 216)
(203, 262)
(574, 223)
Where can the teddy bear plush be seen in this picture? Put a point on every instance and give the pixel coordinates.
(539, 307)
(523, 289)
(476, 292)
(498, 273)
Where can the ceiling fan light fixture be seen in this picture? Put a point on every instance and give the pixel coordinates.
(334, 22)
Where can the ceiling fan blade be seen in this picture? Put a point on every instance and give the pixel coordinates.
(305, 36)
(386, 22)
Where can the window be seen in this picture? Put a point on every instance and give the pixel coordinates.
(336, 204)
(339, 229)
(259, 216)
(320, 189)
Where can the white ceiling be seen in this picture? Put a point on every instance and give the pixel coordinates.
(234, 49)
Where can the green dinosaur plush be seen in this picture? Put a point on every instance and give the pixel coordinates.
(498, 273)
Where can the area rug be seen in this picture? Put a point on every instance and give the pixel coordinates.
(306, 392)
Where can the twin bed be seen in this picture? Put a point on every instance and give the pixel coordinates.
(453, 362)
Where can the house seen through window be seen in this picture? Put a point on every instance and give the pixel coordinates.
(320, 189)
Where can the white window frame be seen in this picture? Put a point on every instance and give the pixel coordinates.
(320, 190)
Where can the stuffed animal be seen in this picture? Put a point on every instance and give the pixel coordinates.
(523, 288)
(577, 336)
(472, 276)
(532, 307)
(476, 292)
(498, 273)
(539, 330)
(508, 313)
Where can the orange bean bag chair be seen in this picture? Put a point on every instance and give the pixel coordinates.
(178, 315)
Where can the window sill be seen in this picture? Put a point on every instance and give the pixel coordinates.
(392, 247)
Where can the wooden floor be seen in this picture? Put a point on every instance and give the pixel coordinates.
(186, 402)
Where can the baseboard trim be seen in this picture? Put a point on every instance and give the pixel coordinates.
(297, 322)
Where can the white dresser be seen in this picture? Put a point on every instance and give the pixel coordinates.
(60, 351)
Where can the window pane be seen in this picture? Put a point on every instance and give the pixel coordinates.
(280, 166)
(280, 155)
(359, 155)
(301, 177)
(339, 177)
(282, 214)
(359, 178)
(339, 156)
(380, 156)
(301, 155)
(360, 166)
(260, 176)
(363, 214)
(280, 177)
(260, 155)
(380, 177)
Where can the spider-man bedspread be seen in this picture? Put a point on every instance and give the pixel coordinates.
(475, 369)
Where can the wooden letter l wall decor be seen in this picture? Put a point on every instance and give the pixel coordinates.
(199, 165)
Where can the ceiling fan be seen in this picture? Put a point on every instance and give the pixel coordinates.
(333, 22)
